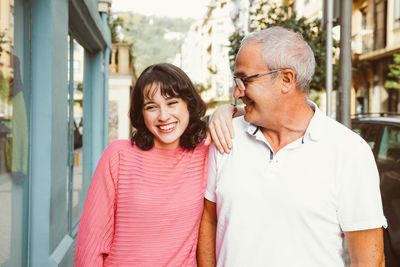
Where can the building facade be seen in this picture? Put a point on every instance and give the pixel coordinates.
(240, 14)
(122, 77)
(53, 127)
(205, 52)
(376, 37)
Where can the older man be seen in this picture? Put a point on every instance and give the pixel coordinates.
(295, 180)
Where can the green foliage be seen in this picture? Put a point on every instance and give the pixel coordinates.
(234, 45)
(114, 24)
(315, 96)
(118, 22)
(200, 88)
(393, 81)
(212, 103)
(267, 15)
(148, 33)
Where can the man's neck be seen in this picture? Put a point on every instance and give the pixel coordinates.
(292, 124)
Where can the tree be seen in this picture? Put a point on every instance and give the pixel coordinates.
(211, 103)
(267, 15)
(393, 81)
(115, 24)
(149, 35)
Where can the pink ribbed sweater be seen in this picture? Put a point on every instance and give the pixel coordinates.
(143, 208)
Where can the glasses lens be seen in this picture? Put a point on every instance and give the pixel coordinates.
(240, 84)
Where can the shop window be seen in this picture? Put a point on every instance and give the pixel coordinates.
(75, 134)
(13, 138)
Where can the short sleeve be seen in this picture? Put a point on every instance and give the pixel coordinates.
(212, 174)
(359, 199)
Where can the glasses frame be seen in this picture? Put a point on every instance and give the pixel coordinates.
(240, 82)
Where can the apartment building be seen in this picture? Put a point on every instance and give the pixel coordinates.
(376, 37)
(240, 14)
(205, 52)
(121, 79)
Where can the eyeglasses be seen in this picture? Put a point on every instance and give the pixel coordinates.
(240, 82)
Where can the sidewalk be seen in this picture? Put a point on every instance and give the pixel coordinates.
(5, 218)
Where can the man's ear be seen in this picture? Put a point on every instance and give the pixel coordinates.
(288, 80)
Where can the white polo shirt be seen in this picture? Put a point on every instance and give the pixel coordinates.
(290, 208)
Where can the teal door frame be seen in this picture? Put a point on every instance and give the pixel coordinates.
(50, 243)
(51, 235)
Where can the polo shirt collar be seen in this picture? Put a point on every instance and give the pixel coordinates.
(313, 131)
(252, 129)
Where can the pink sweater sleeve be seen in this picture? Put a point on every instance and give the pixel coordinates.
(96, 227)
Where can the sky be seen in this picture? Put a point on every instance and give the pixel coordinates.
(163, 8)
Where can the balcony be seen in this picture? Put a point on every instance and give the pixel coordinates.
(363, 41)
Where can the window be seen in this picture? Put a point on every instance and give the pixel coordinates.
(396, 16)
(389, 149)
(388, 161)
(363, 18)
(75, 135)
(369, 132)
(220, 27)
(14, 138)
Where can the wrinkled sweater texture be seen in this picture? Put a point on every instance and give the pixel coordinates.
(143, 208)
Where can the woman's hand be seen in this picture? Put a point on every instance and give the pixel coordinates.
(220, 129)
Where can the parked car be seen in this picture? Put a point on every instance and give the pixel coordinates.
(382, 133)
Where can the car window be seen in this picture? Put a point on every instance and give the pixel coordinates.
(368, 131)
(388, 161)
(389, 148)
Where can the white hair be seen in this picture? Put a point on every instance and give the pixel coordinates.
(282, 48)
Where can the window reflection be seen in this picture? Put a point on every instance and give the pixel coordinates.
(76, 131)
(13, 142)
(6, 108)
(78, 120)
(389, 169)
(368, 132)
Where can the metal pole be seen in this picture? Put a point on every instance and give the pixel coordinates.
(329, 44)
(345, 67)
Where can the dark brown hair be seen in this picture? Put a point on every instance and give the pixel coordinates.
(172, 81)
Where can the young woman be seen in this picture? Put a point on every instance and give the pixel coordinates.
(145, 201)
